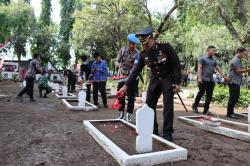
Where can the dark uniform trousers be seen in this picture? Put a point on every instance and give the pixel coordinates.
(131, 92)
(101, 86)
(207, 87)
(156, 87)
(29, 87)
(234, 92)
(88, 92)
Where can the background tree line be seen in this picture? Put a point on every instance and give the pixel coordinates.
(190, 26)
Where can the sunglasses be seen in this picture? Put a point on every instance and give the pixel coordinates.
(144, 40)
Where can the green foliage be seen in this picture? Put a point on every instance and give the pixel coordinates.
(190, 95)
(105, 24)
(5, 2)
(22, 19)
(66, 25)
(5, 24)
(1, 76)
(221, 96)
(44, 41)
(46, 13)
(14, 77)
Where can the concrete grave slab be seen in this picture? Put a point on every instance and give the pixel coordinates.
(175, 153)
(72, 104)
(243, 114)
(69, 96)
(227, 128)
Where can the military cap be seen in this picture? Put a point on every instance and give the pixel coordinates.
(145, 32)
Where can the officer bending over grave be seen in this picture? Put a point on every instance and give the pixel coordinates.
(165, 77)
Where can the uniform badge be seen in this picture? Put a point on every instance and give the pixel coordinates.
(161, 57)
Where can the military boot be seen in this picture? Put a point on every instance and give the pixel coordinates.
(129, 117)
(120, 115)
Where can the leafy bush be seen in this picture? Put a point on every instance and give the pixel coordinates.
(221, 96)
(1, 76)
(14, 77)
(190, 95)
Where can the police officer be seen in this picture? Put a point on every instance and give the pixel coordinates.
(126, 61)
(206, 68)
(235, 76)
(165, 77)
(86, 68)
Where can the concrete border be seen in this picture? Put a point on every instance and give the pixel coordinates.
(69, 96)
(241, 135)
(176, 154)
(92, 107)
(243, 114)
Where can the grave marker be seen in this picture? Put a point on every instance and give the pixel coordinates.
(144, 129)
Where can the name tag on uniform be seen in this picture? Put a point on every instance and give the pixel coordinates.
(161, 57)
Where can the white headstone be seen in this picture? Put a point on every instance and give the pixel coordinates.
(57, 88)
(144, 129)
(81, 98)
(24, 83)
(84, 85)
(112, 91)
(144, 96)
(248, 114)
(65, 90)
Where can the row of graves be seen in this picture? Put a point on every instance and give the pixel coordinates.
(147, 148)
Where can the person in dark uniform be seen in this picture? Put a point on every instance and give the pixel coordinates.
(206, 68)
(33, 69)
(235, 77)
(126, 61)
(165, 77)
(86, 68)
(72, 77)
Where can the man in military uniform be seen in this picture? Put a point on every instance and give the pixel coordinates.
(206, 68)
(165, 77)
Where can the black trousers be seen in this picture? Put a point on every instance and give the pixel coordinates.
(47, 90)
(101, 87)
(28, 88)
(88, 92)
(155, 88)
(71, 83)
(131, 93)
(207, 87)
(234, 94)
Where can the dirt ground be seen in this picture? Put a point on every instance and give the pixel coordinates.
(45, 133)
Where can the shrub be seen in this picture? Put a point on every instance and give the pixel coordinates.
(1, 76)
(14, 77)
(221, 96)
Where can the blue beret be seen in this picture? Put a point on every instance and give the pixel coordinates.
(145, 32)
(132, 38)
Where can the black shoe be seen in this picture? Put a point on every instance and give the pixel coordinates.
(233, 116)
(157, 133)
(19, 98)
(105, 106)
(45, 96)
(120, 115)
(32, 100)
(207, 112)
(168, 137)
(194, 108)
